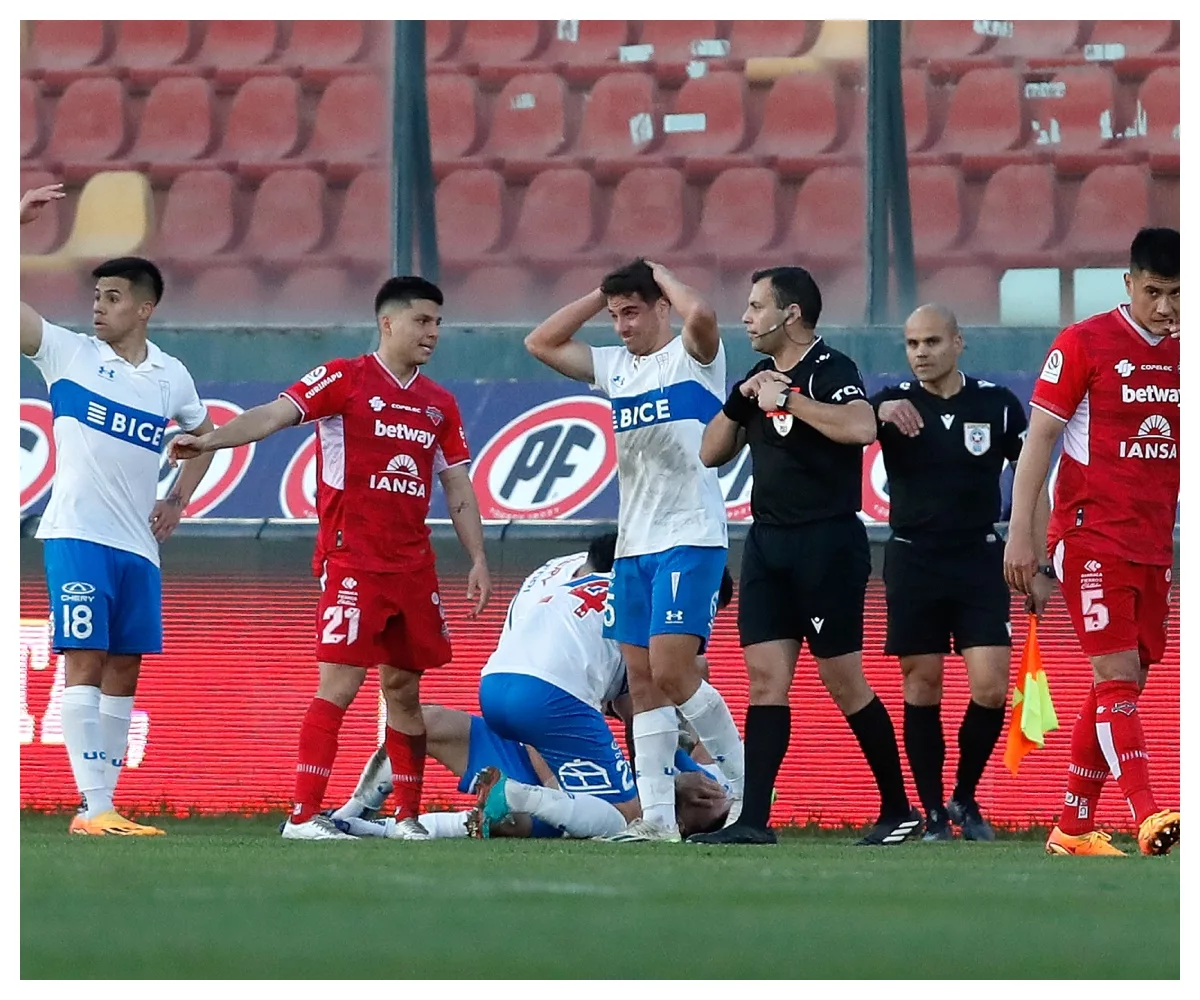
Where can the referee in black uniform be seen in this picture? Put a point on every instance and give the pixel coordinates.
(946, 438)
(805, 415)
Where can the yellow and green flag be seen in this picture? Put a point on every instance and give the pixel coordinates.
(1032, 710)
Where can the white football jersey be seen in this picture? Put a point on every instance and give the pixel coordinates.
(110, 418)
(661, 404)
(551, 574)
(560, 640)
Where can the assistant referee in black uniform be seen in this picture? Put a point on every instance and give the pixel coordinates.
(804, 413)
(946, 438)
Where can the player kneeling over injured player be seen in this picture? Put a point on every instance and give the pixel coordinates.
(465, 745)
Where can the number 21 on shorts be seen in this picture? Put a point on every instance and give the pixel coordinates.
(335, 617)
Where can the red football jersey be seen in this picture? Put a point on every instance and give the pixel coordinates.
(1117, 387)
(379, 445)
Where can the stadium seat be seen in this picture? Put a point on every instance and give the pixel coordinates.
(350, 126)
(620, 120)
(738, 221)
(236, 51)
(263, 125)
(919, 116)
(230, 293)
(936, 200)
(497, 294)
(751, 39)
(453, 120)
(63, 51)
(316, 294)
(363, 237)
(112, 219)
(1078, 127)
(673, 51)
(441, 38)
(572, 284)
(973, 293)
(800, 123)
(1164, 200)
(41, 236)
(1139, 38)
(1158, 99)
(148, 51)
(529, 124)
(647, 214)
(1038, 40)
(31, 125)
(198, 219)
(497, 50)
(717, 101)
(557, 218)
(1112, 204)
(176, 128)
(583, 52)
(843, 294)
(1017, 217)
(984, 125)
(288, 219)
(470, 216)
(842, 42)
(321, 50)
(89, 128)
(828, 221)
(928, 41)
(61, 295)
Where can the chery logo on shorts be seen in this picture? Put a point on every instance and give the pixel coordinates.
(549, 461)
(229, 465)
(76, 592)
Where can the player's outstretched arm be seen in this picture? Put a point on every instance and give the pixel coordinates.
(464, 512)
(253, 425)
(164, 518)
(32, 203)
(701, 332)
(1023, 551)
(551, 342)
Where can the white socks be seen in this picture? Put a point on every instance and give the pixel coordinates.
(445, 824)
(115, 713)
(579, 816)
(86, 746)
(373, 788)
(710, 717)
(655, 738)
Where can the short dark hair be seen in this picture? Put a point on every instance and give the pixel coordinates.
(635, 278)
(141, 274)
(725, 594)
(793, 285)
(1155, 250)
(404, 290)
(602, 552)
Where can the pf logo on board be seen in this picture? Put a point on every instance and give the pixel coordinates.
(549, 462)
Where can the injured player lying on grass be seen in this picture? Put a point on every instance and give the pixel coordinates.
(465, 745)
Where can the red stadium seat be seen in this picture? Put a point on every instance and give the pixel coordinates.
(1139, 38)
(228, 293)
(934, 40)
(148, 51)
(350, 127)
(63, 51)
(1077, 127)
(1038, 39)
(1158, 98)
(441, 38)
(315, 293)
(973, 293)
(572, 284)
(44, 234)
(720, 101)
(582, 52)
(453, 117)
(177, 126)
(496, 295)
(919, 117)
(470, 215)
(323, 49)
(936, 199)
(800, 122)
(673, 40)
(1017, 216)
(1113, 203)
(828, 222)
(647, 213)
(31, 125)
(263, 125)
(64, 294)
(751, 39)
(620, 117)
(843, 294)
(198, 220)
(557, 217)
(89, 127)
(288, 220)
(238, 50)
(739, 217)
(363, 238)
(529, 123)
(985, 122)
(501, 49)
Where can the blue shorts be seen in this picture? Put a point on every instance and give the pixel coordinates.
(572, 736)
(103, 598)
(671, 592)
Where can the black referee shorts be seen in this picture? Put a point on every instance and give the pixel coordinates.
(806, 582)
(939, 592)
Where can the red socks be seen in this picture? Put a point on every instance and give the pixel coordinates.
(314, 763)
(1086, 774)
(1119, 731)
(407, 755)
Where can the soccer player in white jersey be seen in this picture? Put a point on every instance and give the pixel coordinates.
(557, 571)
(112, 395)
(672, 537)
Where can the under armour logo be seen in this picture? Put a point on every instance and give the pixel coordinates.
(108, 373)
(674, 616)
(818, 623)
(376, 403)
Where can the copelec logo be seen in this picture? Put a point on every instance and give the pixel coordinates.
(37, 451)
(548, 462)
(229, 465)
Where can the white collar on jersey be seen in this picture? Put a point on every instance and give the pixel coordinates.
(392, 375)
(154, 355)
(1145, 334)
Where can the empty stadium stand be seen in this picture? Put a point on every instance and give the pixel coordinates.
(561, 147)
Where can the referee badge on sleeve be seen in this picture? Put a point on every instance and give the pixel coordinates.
(977, 438)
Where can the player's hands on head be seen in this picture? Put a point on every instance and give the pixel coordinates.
(1020, 563)
(164, 518)
(903, 415)
(479, 587)
(185, 446)
(35, 199)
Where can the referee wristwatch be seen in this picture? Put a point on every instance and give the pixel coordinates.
(781, 399)
(1047, 571)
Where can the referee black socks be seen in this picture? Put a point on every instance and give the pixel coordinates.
(925, 745)
(768, 731)
(872, 728)
(977, 738)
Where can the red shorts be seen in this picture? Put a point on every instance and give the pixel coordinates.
(369, 619)
(1115, 605)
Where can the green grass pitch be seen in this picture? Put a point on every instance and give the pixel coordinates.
(226, 898)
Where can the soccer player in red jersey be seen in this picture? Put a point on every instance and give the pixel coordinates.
(1110, 389)
(384, 431)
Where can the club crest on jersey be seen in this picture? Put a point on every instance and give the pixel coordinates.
(977, 438)
(434, 414)
(783, 422)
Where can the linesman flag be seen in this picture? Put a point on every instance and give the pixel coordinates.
(1032, 710)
